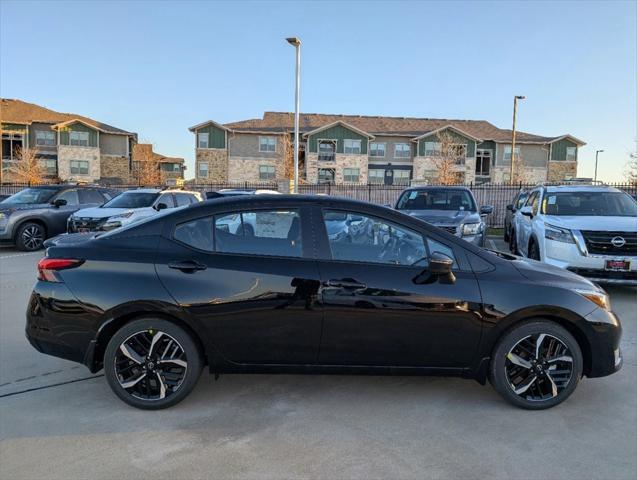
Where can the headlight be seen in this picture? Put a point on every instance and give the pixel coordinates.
(121, 215)
(471, 229)
(600, 299)
(2, 216)
(558, 234)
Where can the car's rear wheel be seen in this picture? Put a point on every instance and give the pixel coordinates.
(507, 236)
(30, 237)
(536, 365)
(152, 363)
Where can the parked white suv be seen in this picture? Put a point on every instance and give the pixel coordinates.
(129, 207)
(590, 230)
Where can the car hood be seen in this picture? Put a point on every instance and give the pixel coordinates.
(444, 217)
(97, 212)
(597, 223)
(550, 275)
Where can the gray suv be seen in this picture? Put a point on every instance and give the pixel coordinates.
(36, 213)
(451, 208)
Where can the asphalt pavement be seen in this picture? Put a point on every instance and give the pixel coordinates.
(58, 422)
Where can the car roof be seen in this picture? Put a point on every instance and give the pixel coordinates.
(581, 188)
(272, 198)
(439, 187)
(143, 190)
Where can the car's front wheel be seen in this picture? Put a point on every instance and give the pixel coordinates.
(536, 364)
(152, 363)
(30, 237)
(513, 243)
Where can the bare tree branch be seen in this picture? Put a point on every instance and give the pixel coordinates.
(27, 167)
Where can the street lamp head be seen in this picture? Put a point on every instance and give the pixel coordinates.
(296, 41)
(520, 97)
(599, 151)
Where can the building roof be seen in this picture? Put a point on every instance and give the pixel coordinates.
(144, 152)
(17, 111)
(277, 122)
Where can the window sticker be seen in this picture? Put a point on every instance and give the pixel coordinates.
(552, 199)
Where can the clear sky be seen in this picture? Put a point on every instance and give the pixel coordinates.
(158, 67)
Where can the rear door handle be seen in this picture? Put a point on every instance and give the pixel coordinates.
(345, 284)
(187, 266)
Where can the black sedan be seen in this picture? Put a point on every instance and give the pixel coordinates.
(154, 302)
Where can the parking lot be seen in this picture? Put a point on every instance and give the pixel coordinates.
(57, 421)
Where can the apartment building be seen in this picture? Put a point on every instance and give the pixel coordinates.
(72, 147)
(375, 149)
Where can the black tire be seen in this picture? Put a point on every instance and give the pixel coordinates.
(549, 389)
(164, 369)
(513, 244)
(30, 237)
(534, 251)
(507, 237)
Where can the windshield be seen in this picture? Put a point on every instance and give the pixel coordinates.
(438, 199)
(32, 196)
(132, 200)
(589, 203)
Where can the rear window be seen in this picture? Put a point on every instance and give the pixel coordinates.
(436, 199)
(132, 200)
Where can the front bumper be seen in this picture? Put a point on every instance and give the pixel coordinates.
(604, 334)
(593, 267)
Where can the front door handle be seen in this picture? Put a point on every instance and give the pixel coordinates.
(345, 283)
(187, 266)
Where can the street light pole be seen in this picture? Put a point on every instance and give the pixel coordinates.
(296, 42)
(597, 152)
(515, 112)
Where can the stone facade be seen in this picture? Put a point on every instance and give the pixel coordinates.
(342, 161)
(531, 174)
(67, 153)
(561, 170)
(217, 160)
(115, 167)
(425, 170)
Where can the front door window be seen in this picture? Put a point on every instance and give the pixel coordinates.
(483, 163)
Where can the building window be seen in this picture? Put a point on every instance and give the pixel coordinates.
(432, 149)
(326, 175)
(203, 170)
(507, 153)
(202, 140)
(351, 175)
(79, 167)
(327, 150)
(266, 172)
(267, 144)
(402, 150)
(376, 175)
(170, 167)
(376, 149)
(44, 138)
(401, 177)
(352, 146)
(78, 139)
(50, 166)
(571, 153)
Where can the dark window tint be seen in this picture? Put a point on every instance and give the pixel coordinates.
(184, 199)
(359, 238)
(521, 199)
(132, 200)
(70, 196)
(436, 199)
(273, 232)
(197, 233)
(166, 198)
(90, 195)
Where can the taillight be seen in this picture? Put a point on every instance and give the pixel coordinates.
(48, 266)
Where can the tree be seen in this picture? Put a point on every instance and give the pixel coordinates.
(631, 169)
(146, 165)
(27, 167)
(447, 158)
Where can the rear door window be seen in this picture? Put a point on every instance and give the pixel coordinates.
(89, 195)
(262, 232)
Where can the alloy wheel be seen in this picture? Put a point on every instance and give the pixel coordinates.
(32, 237)
(539, 367)
(150, 365)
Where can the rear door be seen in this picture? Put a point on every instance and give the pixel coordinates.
(254, 290)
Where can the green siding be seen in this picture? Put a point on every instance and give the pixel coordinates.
(558, 150)
(216, 136)
(14, 127)
(471, 144)
(488, 145)
(78, 127)
(339, 133)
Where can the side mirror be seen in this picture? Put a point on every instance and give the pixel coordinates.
(161, 206)
(59, 202)
(486, 209)
(510, 207)
(439, 269)
(527, 211)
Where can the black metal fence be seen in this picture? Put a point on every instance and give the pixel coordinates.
(497, 195)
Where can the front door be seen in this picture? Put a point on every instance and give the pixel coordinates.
(253, 291)
(483, 165)
(376, 314)
(389, 176)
